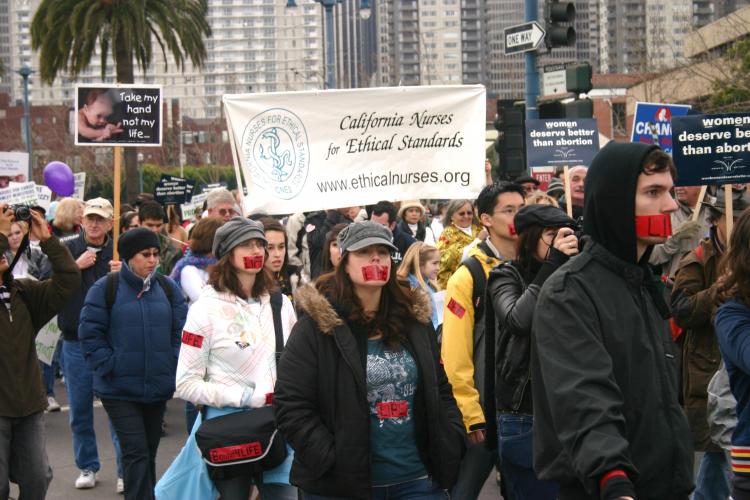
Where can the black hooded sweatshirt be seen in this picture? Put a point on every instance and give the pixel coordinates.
(607, 422)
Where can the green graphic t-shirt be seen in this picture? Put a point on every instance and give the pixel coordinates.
(392, 378)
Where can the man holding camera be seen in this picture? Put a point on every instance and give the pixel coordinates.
(27, 306)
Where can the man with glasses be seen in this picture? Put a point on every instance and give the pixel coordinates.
(151, 214)
(463, 328)
(92, 251)
(221, 203)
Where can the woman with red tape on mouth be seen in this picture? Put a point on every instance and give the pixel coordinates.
(361, 395)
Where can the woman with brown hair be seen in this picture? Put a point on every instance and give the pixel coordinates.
(227, 360)
(331, 255)
(361, 396)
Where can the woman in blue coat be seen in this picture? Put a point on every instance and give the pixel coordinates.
(130, 335)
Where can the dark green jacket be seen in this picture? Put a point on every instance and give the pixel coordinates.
(33, 305)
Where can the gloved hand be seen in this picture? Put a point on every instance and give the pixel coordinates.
(247, 395)
(687, 230)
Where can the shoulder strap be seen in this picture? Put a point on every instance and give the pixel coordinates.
(277, 300)
(479, 284)
(164, 284)
(113, 280)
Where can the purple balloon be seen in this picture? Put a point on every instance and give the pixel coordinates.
(59, 178)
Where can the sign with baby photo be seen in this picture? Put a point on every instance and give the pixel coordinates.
(118, 115)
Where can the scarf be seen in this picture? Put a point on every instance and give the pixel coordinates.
(191, 259)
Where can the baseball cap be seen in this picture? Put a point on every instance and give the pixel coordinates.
(98, 206)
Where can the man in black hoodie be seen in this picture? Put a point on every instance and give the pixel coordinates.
(607, 421)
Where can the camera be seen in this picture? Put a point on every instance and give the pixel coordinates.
(22, 213)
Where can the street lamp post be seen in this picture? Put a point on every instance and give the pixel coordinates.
(25, 72)
(328, 5)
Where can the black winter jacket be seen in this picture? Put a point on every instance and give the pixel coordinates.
(320, 400)
(604, 379)
(69, 318)
(508, 339)
(316, 238)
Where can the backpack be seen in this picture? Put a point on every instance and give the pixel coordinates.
(113, 281)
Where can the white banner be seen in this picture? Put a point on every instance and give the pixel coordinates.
(46, 341)
(302, 151)
(43, 196)
(23, 193)
(196, 204)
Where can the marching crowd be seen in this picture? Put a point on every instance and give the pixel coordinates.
(394, 351)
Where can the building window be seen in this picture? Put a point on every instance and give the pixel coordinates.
(619, 119)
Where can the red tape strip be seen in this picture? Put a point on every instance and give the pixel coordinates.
(456, 308)
(375, 272)
(192, 339)
(254, 262)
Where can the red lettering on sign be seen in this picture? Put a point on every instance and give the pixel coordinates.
(392, 409)
(456, 308)
(192, 339)
(236, 452)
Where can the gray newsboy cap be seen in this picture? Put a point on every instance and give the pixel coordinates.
(359, 235)
(234, 232)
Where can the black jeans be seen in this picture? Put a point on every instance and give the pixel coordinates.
(138, 427)
(23, 456)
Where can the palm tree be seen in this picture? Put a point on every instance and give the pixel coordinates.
(67, 33)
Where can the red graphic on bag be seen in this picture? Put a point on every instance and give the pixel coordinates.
(375, 272)
(392, 409)
(236, 452)
(192, 339)
(253, 262)
(456, 308)
(269, 398)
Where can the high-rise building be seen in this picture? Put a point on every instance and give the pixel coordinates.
(356, 50)
(256, 46)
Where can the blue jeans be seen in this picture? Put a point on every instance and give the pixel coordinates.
(79, 382)
(713, 478)
(475, 468)
(515, 447)
(418, 489)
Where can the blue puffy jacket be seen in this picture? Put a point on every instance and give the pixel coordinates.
(133, 350)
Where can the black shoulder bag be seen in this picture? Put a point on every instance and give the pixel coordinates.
(245, 443)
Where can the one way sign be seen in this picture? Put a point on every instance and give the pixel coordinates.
(523, 37)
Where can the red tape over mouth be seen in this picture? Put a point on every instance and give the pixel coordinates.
(375, 272)
(253, 262)
(653, 225)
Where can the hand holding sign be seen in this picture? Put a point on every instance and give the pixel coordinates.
(59, 178)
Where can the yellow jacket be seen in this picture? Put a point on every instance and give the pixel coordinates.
(463, 342)
(451, 245)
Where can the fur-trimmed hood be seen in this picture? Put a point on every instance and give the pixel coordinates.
(325, 316)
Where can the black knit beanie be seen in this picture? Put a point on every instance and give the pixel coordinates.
(136, 240)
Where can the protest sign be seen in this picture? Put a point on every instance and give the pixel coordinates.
(651, 123)
(46, 341)
(172, 190)
(712, 149)
(207, 188)
(559, 142)
(43, 196)
(543, 175)
(302, 151)
(80, 187)
(19, 194)
(194, 206)
(14, 167)
(118, 115)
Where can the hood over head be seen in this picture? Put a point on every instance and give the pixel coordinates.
(609, 197)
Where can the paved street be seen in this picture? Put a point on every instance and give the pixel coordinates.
(59, 449)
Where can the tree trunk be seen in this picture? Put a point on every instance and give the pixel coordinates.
(124, 69)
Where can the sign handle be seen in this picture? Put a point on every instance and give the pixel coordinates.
(729, 215)
(568, 194)
(116, 196)
(697, 209)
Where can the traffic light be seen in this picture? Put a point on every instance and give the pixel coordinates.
(578, 78)
(511, 140)
(580, 108)
(559, 26)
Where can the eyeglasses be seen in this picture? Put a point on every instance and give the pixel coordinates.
(146, 255)
(226, 211)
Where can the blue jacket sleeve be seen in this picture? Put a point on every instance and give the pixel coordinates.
(93, 329)
(732, 329)
(179, 314)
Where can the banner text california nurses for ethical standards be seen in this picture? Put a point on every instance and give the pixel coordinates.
(369, 143)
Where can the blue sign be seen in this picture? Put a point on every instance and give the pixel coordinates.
(712, 149)
(561, 141)
(651, 123)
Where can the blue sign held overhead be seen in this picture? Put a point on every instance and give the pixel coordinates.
(559, 142)
(651, 123)
(712, 149)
